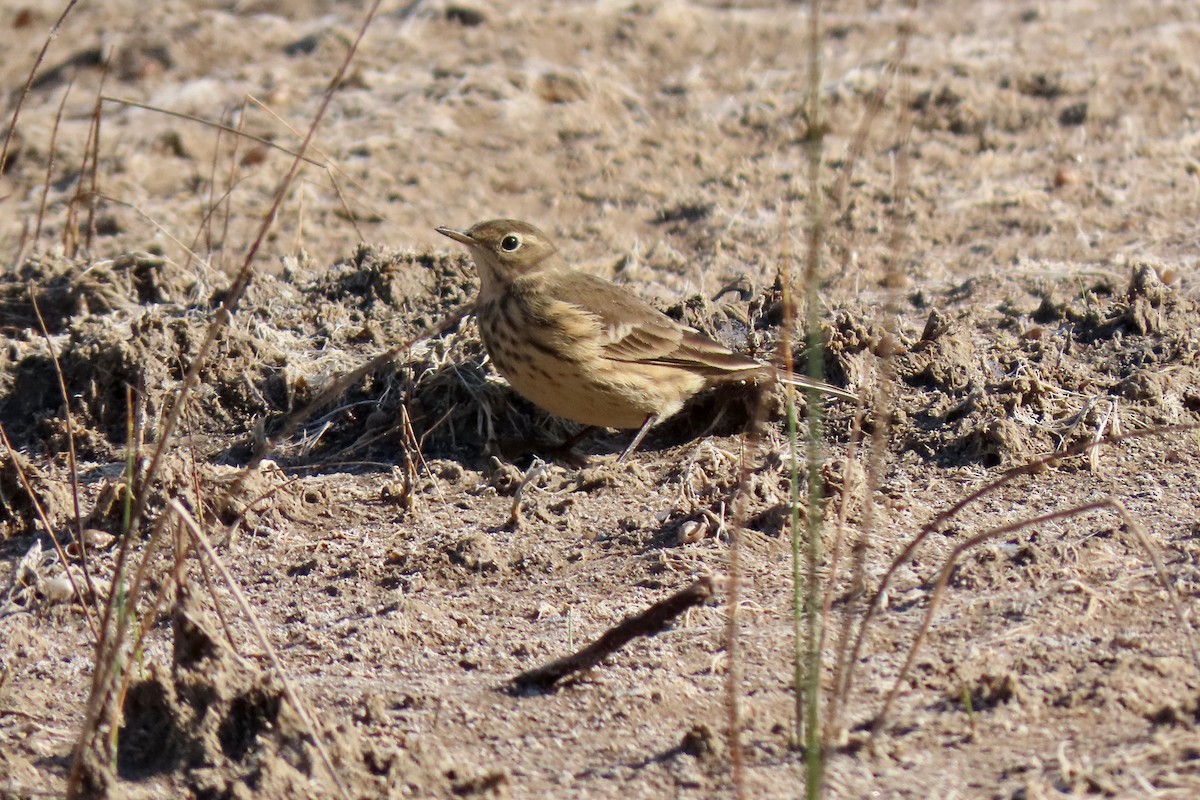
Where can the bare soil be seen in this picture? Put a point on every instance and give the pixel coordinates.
(1040, 258)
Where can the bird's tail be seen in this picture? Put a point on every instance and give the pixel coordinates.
(805, 382)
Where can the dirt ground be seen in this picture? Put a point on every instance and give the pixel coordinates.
(1040, 232)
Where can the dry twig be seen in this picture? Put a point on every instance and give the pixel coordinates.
(647, 623)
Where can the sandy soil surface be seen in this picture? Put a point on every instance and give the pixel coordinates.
(1041, 236)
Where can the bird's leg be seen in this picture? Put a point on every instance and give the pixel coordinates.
(575, 438)
(641, 434)
(566, 452)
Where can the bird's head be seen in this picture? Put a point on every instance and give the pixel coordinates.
(505, 249)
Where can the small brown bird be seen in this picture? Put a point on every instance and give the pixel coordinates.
(585, 348)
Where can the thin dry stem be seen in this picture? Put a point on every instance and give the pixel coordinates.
(93, 194)
(325, 163)
(37, 508)
(72, 462)
(893, 281)
(835, 560)
(104, 697)
(808, 678)
(37, 62)
(885, 397)
(204, 228)
(330, 166)
(1109, 503)
(153, 222)
(795, 531)
(182, 548)
(1029, 468)
(221, 127)
(41, 215)
(733, 676)
(147, 621)
(645, 623)
(344, 382)
(242, 279)
(231, 182)
(107, 657)
(301, 708)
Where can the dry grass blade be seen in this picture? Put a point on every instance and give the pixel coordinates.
(109, 643)
(238, 132)
(330, 166)
(1030, 468)
(37, 62)
(41, 514)
(323, 163)
(344, 382)
(70, 231)
(230, 182)
(848, 494)
(160, 228)
(1109, 503)
(93, 192)
(107, 694)
(242, 279)
(50, 149)
(301, 708)
(72, 462)
(893, 281)
(733, 676)
(808, 620)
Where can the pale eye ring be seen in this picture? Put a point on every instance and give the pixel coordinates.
(510, 243)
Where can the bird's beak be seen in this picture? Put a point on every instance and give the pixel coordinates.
(457, 235)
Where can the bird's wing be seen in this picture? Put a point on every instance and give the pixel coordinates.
(632, 330)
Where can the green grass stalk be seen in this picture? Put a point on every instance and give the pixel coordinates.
(809, 660)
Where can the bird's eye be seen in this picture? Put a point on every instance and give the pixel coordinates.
(510, 243)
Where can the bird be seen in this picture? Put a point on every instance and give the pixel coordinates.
(585, 348)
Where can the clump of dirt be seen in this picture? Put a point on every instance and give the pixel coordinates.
(380, 299)
(60, 289)
(1039, 373)
(405, 290)
(108, 327)
(215, 493)
(217, 724)
(229, 496)
(127, 332)
(25, 490)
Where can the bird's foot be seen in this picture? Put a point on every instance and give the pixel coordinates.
(519, 450)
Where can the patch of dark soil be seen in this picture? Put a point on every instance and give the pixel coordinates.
(141, 358)
(391, 286)
(62, 290)
(150, 742)
(222, 729)
(19, 511)
(1001, 383)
